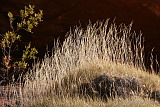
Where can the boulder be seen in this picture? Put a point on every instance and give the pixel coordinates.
(105, 86)
(155, 95)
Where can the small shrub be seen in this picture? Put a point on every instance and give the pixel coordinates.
(29, 20)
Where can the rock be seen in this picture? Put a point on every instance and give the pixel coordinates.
(155, 95)
(105, 86)
(127, 86)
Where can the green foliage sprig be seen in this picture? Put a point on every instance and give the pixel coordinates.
(29, 20)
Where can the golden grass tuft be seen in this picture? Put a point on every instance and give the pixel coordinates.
(84, 55)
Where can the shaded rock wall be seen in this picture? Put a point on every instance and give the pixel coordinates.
(60, 15)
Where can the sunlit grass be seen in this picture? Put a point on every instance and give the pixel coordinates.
(84, 55)
(81, 102)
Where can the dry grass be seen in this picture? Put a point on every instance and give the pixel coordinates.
(85, 54)
(81, 102)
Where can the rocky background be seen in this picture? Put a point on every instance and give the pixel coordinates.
(60, 15)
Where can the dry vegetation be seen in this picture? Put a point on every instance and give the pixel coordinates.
(84, 55)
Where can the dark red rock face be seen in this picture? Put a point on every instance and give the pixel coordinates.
(60, 15)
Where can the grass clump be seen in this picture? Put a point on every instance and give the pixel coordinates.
(81, 102)
(84, 55)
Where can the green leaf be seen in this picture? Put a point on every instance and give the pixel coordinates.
(10, 15)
